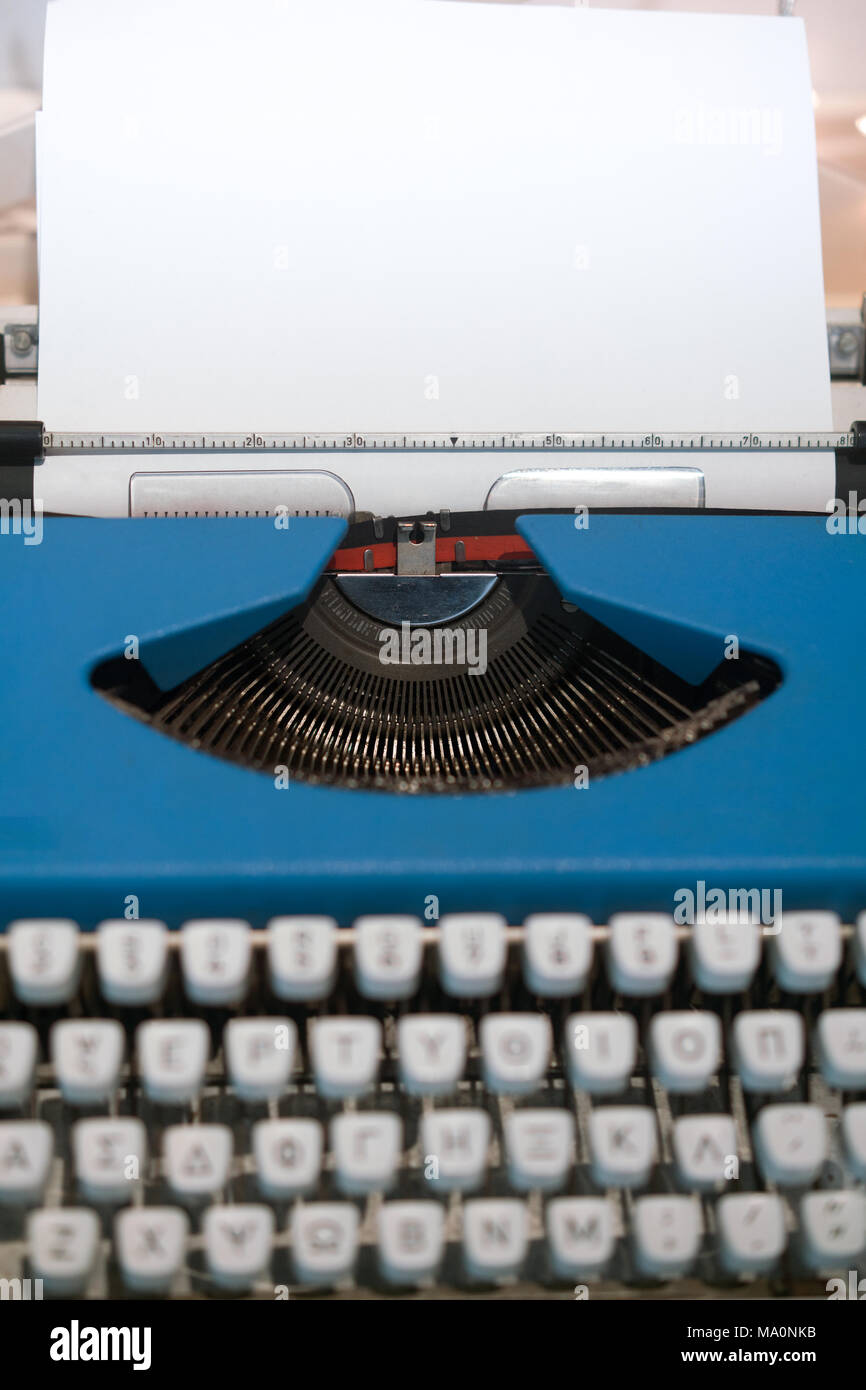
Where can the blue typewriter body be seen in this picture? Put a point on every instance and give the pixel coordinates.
(96, 806)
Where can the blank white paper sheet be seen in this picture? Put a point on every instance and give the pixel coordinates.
(423, 215)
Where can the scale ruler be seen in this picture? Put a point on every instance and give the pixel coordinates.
(55, 442)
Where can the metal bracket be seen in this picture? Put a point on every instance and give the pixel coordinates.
(847, 346)
(416, 547)
(20, 349)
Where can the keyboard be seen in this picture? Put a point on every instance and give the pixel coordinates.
(468, 1108)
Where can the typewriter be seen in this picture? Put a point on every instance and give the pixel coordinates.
(533, 969)
(420, 891)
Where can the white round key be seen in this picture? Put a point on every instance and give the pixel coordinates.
(197, 1159)
(623, 1145)
(411, 1237)
(87, 1055)
(26, 1151)
(724, 956)
(44, 960)
(495, 1237)
(666, 1235)
(769, 1048)
(19, 1053)
(63, 1245)
(324, 1241)
(515, 1051)
(454, 1145)
(685, 1048)
(854, 1138)
(215, 957)
(366, 1147)
(833, 1228)
(580, 1236)
(288, 1157)
(791, 1143)
(260, 1056)
(132, 960)
(431, 1049)
(641, 953)
(150, 1243)
(237, 1243)
(172, 1057)
(705, 1151)
(806, 951)
(840, 1044)
(345, 1052)
(601, 1051)
(388, 956)
(751, 1231)
(302, 957)
(539, 1147)
(109, 1157)
(472, 951)
(557, 953)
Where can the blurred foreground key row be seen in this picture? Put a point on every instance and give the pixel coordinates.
(222, 1110)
